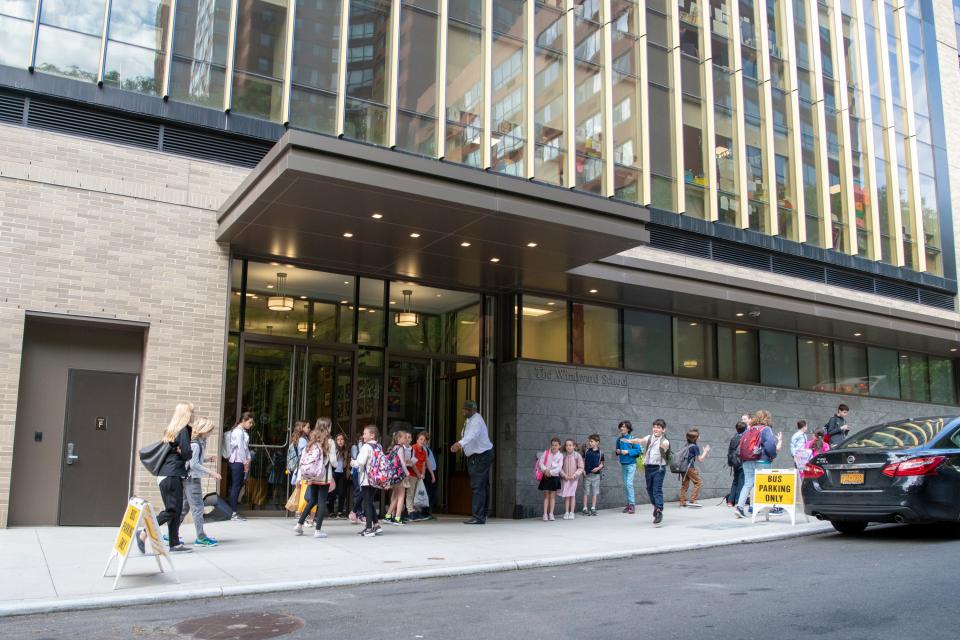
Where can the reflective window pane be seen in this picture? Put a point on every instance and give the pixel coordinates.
(370, 313)
(737, 357)
(16, 32)
(884, 368)
(693, 348)
(68, 42)
(260, 58)
(914, 380)
(200, 41)
(508, 134)
(417, 86)
(549, 96)
(943, 388)
(464, 93)
(136, 49)
(435, 320)
(815, 358)
(851, 369)
(544, 329)
(595, 334)
(646, 341)
(316, 54)
(778, 359)
(367, 69)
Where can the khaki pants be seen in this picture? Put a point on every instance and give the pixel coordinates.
(692, 475)
(410, 484)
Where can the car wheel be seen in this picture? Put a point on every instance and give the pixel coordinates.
(848, 528)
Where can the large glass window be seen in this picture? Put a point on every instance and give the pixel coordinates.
(627, 126)
(851, 369)
(370, 313)
(595, 335)
(368, 44)
(314, 71)
(588, 106)
(16, 26)
(549, 96)
(508, 134)
(737, 359)
(544, 329)
(136, 49)
(464, 83)
(436, 320)
(260, 58)
(647, 341)
(417, 84)
(693, 348)
(943, 387)
(914, 380)
(68, 43)
(778, 359)
(201, 35)
(884, 369)
(815, 362)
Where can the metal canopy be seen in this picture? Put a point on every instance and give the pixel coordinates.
(311, 190)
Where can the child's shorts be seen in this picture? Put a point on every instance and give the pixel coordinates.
(591, 484)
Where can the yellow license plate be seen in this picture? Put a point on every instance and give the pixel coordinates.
(851, 478)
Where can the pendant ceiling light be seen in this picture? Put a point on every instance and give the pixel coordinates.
(305, 327)
(279, 301)
(406, 317)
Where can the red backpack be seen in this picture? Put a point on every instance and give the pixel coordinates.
(750, 448)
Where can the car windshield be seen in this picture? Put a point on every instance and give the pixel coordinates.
(905, 434)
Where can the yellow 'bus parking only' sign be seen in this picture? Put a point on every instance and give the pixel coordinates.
(775, 488)
(139, 512)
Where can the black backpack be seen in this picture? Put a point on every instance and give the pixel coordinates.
(680, 462)
(733, 457)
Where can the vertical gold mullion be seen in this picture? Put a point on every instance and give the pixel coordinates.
(342, 66)
(889, 135)
(231, 57)
(676, 99)
(104, 37)
(570, 176)
(843, 114)
(739, 129)
(903, 56)
(36, 34)
(442, 78)
(487, 79)
(795, 131)
(766, 97)
(643, 99)
(288, 62)
(607, 102)
(530, 67)
(168, 53)
(709, 122)
(823, 178)
(393, 66)
(870, 161)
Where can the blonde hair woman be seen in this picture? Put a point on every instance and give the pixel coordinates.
(316, 470)
(764, 451)
(196, 471)
(171, 476)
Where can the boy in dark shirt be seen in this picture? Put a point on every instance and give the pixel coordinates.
(593, 470)
(837, 427)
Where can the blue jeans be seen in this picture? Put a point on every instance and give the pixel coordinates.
(736, 486)
(628, 471)
(236, 484)
(654, 476)
(750, 468)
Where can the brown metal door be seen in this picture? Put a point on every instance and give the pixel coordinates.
(98, 444)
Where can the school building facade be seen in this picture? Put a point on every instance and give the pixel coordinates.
(575, 212)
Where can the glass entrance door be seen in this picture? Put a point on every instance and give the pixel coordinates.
(281, 384)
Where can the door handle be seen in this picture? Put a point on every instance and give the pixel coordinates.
(71, 458)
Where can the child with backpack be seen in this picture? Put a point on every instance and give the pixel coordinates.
(356, 510)
(689, 456)
(656, 457)
(192, 484)
(316, 470)
(735, 464)
(758, 448)
(593, 471)
(549, 464)
(363, 462)
(398, 448)
(570, 472)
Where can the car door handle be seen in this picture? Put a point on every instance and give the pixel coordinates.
(71, 457)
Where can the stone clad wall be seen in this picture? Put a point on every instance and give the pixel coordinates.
(539, 401)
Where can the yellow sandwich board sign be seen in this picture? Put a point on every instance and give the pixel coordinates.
(139, 513)
(775, 488)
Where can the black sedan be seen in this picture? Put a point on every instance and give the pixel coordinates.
(906, 471)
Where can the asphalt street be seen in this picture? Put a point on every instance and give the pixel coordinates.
(892, 582)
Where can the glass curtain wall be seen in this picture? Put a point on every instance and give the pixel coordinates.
(856, 152)
(549, 94)
(201, 39)
(260, 58)
(464, 130)
(725, 80)
(314, 74)
(588, 97)
(367, 70)
(828, 62)
(784, 128)
(696, 149)
(758, 197)
(508, 87)
(16, 25)
(629, 55)
(663, 120)
(810, 158)
(418, 69)
(137, 43)
(68, 41)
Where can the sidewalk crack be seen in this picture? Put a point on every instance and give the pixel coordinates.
(46, 563)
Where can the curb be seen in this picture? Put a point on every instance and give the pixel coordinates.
(110, 601)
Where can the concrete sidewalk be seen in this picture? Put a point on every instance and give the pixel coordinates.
(59, 568)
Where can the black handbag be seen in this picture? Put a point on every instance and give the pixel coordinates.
(153, 455)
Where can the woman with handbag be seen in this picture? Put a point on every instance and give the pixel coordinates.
(170, 478)
(316, 470)
(549, 464)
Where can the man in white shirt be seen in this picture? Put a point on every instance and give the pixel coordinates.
(475, 444)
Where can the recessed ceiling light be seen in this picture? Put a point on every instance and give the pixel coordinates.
(274, 264)
(236, 293)
(464, 244)
(414, 235)
(954, 349)
(347, 234)
(494, 259)
(362, 308)
(346, 282)
(344, 302)
(303, 297)
(393, 302)
(857, 334)
(269, 286)
(289, 266)
(693, 324)
(550, 304)
(377, 216)
(739, 315)
(532, 245)
(372, 310)
(593, 290)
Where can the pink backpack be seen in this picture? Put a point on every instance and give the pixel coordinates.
(313, 464)
(537, 473)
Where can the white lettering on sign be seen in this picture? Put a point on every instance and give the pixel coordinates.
(580, 377)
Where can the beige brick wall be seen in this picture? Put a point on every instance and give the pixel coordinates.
(101, 230)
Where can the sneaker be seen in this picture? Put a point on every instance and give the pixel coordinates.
(398, 522)
(181, 548)
(683, 504)
(626, 509)
(566, 515)
(388, 518)
(584, 512)
(319, 534)
(546, 518)
(298, 529)
(694, 505)
(368, 533)
(377, 530)
(657, 516)
(739, 513)
(593, 512)
(205, 541)
(353, 517)
(140, 543)
(631, 509)
(777, 511)
(750, 509)
(236, 517)
(573, 516)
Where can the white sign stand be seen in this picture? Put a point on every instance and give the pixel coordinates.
(778, 484)
(139, 512)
